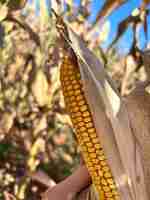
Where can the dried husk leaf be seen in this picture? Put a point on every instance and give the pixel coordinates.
(41, 125)
(138, 102)
(7, 122)
(38, 146)
(3, 11)
(40, 88)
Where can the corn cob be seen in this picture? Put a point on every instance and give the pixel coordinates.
(85, 131)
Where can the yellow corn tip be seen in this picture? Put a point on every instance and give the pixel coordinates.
(85, 131)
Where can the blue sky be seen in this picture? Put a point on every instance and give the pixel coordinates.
(115, 18)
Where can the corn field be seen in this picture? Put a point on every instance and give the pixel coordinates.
(37, 142)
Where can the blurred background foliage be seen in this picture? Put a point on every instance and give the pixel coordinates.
(37, 144)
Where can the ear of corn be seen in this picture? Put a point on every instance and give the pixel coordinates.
(85, 130)
(89, 100)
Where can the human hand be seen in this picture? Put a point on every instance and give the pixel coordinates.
(58, 192)
(67, 189)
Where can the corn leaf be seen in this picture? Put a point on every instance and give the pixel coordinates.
(108, 7)
(146, 2)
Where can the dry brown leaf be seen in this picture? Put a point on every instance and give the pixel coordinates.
(108, 7)
(122, 27)
(143, 17)
(146, 2)
(16, 4)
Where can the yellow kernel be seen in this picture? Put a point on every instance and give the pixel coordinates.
(106, 189)
(100, 152)
(75, 109)
(97, 146)
(77, 86)
(99, 187)
(92, 155)
(77, 92)
(102, 157)
(72, 78)
(83, 108)
(97, 179)
(87, 119)
(88, 159)
(79, 119)
(73, 104)
(74, 82)
(84, 148)
(100, 173)
(72, 98)
(95, 161)
(78, 75)
(91, 169)
(89, 144)
(86, 114)
(85, 134)
(82, 129)
(74, 121)
(110, 181)
(107, 175)
(91, 130)
(80, 124)
(66, 78)
(86, 139)
(94, 174)
(81, 103)
(106, 169)
(66, 82)
(89, 125)
(70, 72)
(69, 87)
(103, 181)
(77, 114)
(90, 150)
(70, 92)
(89, 164)
(103, 163)
(69, 66)
(95, 140)
(92, 135)
(79, 97)
(98, 167)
